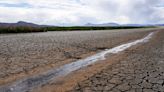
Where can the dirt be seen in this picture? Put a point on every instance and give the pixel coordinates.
(67, 83)
(24, 55)
(141, 70)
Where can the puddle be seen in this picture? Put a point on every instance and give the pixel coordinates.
(35, 81)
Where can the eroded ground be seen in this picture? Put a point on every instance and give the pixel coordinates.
(141, 70)
(23, 55)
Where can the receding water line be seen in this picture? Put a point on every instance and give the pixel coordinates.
(27, 84)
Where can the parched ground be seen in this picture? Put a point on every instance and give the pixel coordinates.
(142, 70)
(23, 55)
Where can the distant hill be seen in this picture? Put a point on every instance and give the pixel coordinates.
(159, 24)
(27, 24)
(21, 24)
(103, 25)
(116, 25)
(141, 25)
(138, 25)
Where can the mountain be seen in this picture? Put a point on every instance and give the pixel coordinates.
(27, 24)
(159, 24)
(135, 25)
(103, 25)
(115, 25)
(140, 25)
(20, 24)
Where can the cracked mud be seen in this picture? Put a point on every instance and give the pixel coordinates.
(24, 55)
(142, 70)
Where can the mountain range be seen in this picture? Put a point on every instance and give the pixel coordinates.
(115, 25)
(21, 24)
(27, 24)
(104, 24)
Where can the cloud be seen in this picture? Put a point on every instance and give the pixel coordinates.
(79, 12)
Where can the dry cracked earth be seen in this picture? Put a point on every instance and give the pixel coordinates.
(142, 70)
(24, 55)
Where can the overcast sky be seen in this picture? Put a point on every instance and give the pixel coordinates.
(79, 12)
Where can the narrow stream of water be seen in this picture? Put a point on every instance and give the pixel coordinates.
(27, 84)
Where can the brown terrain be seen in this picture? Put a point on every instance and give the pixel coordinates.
(139, 68)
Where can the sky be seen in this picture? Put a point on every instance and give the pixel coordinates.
(80, 12)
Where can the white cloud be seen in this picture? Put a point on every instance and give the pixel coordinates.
(76, 12)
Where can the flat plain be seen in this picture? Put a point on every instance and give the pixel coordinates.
(24, 55)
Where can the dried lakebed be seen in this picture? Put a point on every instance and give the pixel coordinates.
(32, 82)
(140, 70)
(24, 55)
